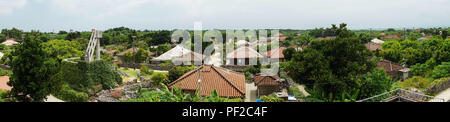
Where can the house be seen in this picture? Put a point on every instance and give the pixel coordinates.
(393, 69)
(276, 53)
(189, 58)
(177, 51)
(377, 41)
(392, 36)
(373, 46)
(267, 85)
(227, 83)
(327, 38)
(242, 56)
(10, 41)
(4, 83)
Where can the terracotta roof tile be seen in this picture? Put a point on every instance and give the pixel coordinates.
(244, 52)
(390, 67)
(267, 80)
(227, 83)
(373, 46)
(273, 53)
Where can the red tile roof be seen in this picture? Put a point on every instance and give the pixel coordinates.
(273, 53)
(227, 83)
(373, 46)
(267, 80)
(390, 67)
(4, 83)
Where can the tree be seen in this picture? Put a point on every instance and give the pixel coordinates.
(62, 49)
(32, 71)
(73, 35)
(288, 53)
(177, 71)
(442, 70)
(162, 49)
(373, 83)
(333, 66)
(158, 78)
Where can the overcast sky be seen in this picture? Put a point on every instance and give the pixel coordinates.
(55, 15)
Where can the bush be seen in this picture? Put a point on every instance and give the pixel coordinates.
(5, 72)
(166, 64)
(442, 70)
(159, 78)
(69, 95)
(2, 95)
(416, 82)
(420, 70)
(177, 71)
(296, 92)
(144, 70)
(271, 98)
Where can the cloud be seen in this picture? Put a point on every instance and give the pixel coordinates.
(8, 6)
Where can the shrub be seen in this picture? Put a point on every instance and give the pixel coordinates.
(144, 70)
(442, 70)
(5, 72)
(166, 64)
(420, 70)
(271, 98)
(416, 82)
(159, 78)
(177, 71)
(296, 92)
(69, 95)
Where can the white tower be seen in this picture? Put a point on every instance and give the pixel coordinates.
(94, 43)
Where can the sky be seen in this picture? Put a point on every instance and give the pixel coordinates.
(83, 15)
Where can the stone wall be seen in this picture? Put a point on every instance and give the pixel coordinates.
(151, 66)
(438, 87)
(266, 90)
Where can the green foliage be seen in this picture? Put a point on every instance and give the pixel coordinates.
(67, 94)
(176, 95)
(32, 71)
(296, 92)
(3, 95)
(166, 64)
(84, 76)
(145, 70)
(62, 49)
(412, 52)
(158, 78)
(162, 49)
(332, 66)
(177, 71)
(423, 70)
(442, 70)
(288, 53)
(373, 83)
(415, 82)
(5, 72)
(271, 98)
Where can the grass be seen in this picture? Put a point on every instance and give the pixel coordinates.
(130, 72)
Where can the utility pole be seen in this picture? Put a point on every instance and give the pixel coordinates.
(134, 51)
